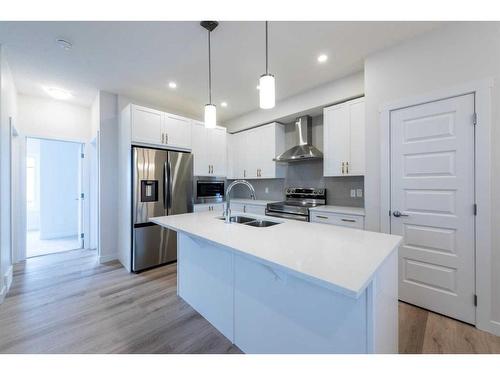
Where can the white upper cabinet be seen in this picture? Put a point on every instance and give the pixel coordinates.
(147, 124)
(177, 131)
(344, 139)
(158, 128)
(210, 150)
(251, 152)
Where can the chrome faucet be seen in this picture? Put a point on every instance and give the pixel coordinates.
(227, 212)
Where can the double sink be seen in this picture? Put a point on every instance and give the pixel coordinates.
(251, 221)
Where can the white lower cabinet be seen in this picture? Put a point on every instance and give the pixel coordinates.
(351, 221)
(205, 207)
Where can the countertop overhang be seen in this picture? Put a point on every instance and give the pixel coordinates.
(339, 258)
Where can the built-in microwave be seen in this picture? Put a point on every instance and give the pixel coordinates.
(209, 189)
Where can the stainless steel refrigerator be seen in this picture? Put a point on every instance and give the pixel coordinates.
(162, 185)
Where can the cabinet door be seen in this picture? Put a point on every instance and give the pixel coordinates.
(240, 155)
(266, 151)
(251, 149)
(200, 149)
(177, 131)
(146, 125)
(357, 137)
(217, 151)
(231, 156)
(335, 139)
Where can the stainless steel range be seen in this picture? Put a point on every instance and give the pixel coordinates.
(297, 203)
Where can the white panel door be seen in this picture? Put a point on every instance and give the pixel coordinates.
(177, 131)
(146, 125)
(250, 149)
(432, 182)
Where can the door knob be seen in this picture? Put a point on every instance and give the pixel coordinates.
(398, 214)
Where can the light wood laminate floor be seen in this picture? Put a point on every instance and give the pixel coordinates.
(69, 303)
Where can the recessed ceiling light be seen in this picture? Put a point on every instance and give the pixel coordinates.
(64, 44)
(172, 85)
(223, 104)
(58, 93)
(322, 58)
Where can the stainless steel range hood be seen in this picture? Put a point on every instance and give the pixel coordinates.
(304, 150)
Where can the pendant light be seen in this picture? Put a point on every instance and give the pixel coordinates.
(210, 109)
(266, 82)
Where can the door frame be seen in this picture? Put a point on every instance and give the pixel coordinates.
(482, 166)
(21, 249)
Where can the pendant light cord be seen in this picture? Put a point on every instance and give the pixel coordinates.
(267, 49)
(209, 72)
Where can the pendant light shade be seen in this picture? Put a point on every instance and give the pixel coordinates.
(267, 84)
(210, 115)
(266, 91)
(210, 109)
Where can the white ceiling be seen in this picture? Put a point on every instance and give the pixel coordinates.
(138, 59)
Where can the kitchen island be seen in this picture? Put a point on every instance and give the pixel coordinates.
(293, 287)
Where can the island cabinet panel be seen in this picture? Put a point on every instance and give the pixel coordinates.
(276, 312)
(205, 281)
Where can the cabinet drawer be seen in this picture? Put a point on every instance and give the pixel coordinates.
(338, 219)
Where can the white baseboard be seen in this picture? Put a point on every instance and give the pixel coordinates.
(7, 282)
(494, 327)
(108, 258)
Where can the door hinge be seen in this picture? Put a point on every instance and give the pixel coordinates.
(82, 195)
(82, 235)
(474, 118)
(475, 209)
(475, 299)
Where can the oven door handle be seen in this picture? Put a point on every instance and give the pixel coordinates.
(287, 216)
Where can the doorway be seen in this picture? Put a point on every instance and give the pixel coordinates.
(54, 196)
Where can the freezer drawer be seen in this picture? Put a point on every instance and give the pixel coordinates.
(152, 246)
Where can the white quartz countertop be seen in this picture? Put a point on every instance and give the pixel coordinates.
(358, 211)
(339, 258)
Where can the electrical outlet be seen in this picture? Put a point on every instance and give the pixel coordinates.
(353, 193)
(359, 193)
(267, 190)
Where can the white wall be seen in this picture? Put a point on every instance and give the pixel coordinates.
(8, 113)
(108, 176)
(322, 96)
(48, 118)
(456, 54)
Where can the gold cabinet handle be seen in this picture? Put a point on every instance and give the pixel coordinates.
(166, 138)
(162, 137)
(347, 167)
(321, 217)
(343, 167)
(244, 172)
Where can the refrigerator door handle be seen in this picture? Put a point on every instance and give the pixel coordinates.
(165, 186)
(169, 186)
